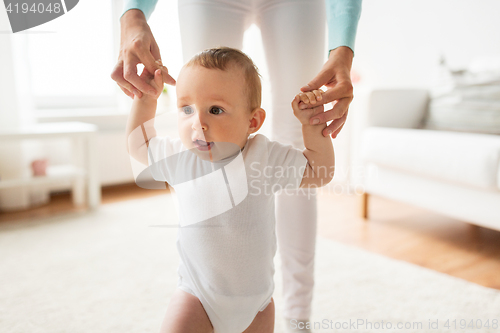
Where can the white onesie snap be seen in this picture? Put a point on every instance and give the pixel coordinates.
(226, 240)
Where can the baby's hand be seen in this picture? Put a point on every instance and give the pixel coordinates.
(155, 80)
(310, 97)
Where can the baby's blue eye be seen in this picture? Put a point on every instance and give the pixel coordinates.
(216, 110)
(187, 110)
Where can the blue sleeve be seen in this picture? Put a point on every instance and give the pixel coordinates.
(342, 17)
(146, 6)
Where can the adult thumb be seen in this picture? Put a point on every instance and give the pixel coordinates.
(320, 80)
(166, 77)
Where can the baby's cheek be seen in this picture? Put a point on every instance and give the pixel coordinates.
(185, 134)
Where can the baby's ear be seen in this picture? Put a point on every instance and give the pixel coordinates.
(257, 118)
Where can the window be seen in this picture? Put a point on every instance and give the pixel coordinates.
(70, 58)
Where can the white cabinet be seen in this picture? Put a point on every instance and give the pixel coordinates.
(83, 174)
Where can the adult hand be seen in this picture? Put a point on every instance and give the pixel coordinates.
(137, 45)
(335, 75)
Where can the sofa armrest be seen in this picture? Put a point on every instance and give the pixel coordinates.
(402, 108)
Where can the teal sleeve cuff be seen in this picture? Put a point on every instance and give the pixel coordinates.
(146, 6)
(342, 17)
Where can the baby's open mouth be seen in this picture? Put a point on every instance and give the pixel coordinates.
(203, 145)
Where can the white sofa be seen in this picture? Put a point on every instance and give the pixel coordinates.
(456, 174)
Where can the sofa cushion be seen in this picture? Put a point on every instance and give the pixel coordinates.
(453, 112)
(463, 158)
(467, 99)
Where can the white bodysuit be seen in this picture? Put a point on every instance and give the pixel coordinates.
(226, 240)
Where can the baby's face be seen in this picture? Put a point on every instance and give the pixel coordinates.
(213, 113)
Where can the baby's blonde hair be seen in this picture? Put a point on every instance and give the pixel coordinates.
(221, 58)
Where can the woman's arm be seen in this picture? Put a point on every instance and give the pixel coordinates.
(343, 17)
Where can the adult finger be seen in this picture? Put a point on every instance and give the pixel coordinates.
(334, 134)
(318, 81)
(341, 90)
(128, 93)
(155, 51)
(317, 110)
(126, 87)
(146, 75)
(130, 74)
(147, 59)
(151, 64)
(338, 110)
(335, 125)
(166, 77)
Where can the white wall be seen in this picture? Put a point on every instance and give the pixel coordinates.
(399, 42)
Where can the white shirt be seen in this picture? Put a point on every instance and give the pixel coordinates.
(227, 238)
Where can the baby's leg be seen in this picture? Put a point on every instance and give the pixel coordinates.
(185, 314)
(263, 321)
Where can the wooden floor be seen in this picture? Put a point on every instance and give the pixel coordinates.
(393, 229)
(414, 235)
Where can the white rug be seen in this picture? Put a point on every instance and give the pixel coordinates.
(110, 272)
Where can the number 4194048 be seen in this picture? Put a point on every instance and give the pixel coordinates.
(472, 324)
(34, 8)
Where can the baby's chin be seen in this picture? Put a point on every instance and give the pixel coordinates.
(216, 151)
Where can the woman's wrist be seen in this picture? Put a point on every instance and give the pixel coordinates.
(342, 54)
(132, 20)
(132, 16)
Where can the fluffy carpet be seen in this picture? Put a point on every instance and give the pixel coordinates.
(112, 271)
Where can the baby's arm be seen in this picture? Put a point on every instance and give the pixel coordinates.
(140, 123)
(318, 148)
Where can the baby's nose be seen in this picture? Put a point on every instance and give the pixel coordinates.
(199, 124)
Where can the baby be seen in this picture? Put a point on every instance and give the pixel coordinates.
(225, 178)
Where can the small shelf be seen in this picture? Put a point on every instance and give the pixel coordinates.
(55, 174)
(83, 136)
